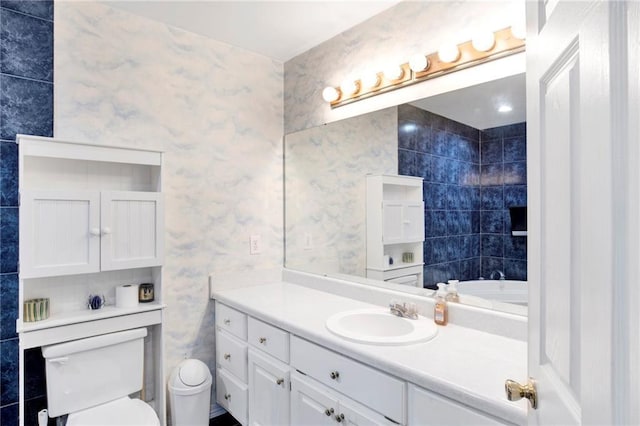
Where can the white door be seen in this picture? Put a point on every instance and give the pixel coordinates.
(268, 390)
(132, 229)
(575, 101)
(413, 222)
(392, 228)
(59, 233)
(311, 405)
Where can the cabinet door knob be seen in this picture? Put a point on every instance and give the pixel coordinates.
(328, 411)
(334, 375)
(227, 356)
(339, 417)
(279, 381)
(106, 230)
(227, 396)
(95, 232)
(263, 339)
(227, 321)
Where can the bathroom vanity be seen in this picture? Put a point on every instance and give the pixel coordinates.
(278, 363)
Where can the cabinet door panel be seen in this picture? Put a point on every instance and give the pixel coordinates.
(413, 222)
(358, 415)
(232, 395)
(132, 234)
(392, 227)
(269, 390)
(311, 405)
(56, 227)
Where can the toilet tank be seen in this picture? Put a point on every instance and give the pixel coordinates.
(88, 372)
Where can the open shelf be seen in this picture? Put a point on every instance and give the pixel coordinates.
(67, 318)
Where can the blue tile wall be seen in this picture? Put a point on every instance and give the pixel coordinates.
(26, 106)
(471, 178)
(503, 171)
(447, 155)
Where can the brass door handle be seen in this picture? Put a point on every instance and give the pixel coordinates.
(515, 391)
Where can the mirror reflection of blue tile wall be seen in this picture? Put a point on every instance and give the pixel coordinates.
(471, 178)
(26, 106)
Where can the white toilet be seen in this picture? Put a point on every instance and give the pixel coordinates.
(91, 380)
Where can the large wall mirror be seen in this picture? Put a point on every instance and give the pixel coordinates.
(468, 145)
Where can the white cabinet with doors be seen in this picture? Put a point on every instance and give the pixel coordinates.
(268, 390)
(395, 228)
(91, 219)
(79, 232)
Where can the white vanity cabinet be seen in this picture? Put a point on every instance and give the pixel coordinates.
(80, 232)
(395, 226)
(429, 409)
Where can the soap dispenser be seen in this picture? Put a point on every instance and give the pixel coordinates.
(440, 314)
(452, 291)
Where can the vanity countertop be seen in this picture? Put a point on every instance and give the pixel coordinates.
(464, 364)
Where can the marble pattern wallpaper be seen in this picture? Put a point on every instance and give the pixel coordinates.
(325, 187)
(389, 37)
(26, 106)
(216, 111)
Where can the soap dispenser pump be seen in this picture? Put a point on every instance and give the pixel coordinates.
(440, 314)
(452, 291)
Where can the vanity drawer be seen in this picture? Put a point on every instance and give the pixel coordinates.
(270, 339)
(228, 319)
(232, 395)
(351, 378)
(231, 354)
(427, 408)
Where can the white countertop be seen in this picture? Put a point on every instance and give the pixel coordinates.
(464, 364)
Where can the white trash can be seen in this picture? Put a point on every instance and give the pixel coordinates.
(190, 393)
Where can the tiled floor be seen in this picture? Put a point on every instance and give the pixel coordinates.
(224, 420)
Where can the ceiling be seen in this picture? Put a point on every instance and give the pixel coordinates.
(279, 30)
(477, 106)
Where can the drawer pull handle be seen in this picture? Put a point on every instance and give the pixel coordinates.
(227, 396)
(279, 381)
(328, 411)
(227, 321)
(339, 417)
(334, 375)
(227, 356)
(263, 339)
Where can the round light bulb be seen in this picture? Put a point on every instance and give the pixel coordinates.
(393, 72)
(519, 31)
(449, 53)
(370, 80)
(330, 94)
(349, 87)
(483, 41)
(418, 63)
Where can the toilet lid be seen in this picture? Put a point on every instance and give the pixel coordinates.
(121, 412)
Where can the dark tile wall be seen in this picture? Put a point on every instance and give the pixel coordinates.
(471, 178)
(447, 155)
(503, 179)
(26, 106)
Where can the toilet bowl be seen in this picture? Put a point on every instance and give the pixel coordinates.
(92, 379)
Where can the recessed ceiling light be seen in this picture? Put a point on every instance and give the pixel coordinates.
(505, 108)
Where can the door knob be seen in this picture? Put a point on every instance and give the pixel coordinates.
(263, 339)
(279, 381)
(95, 232)
(106, 230)
(328, 411)
(516, 391)
(334, 375)
(339, 417)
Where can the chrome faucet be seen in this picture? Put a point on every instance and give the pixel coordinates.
(404, 310)
(498, 273)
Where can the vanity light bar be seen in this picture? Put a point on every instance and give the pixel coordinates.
(505, 42)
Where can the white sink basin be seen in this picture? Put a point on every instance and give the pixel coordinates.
(378, 326)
